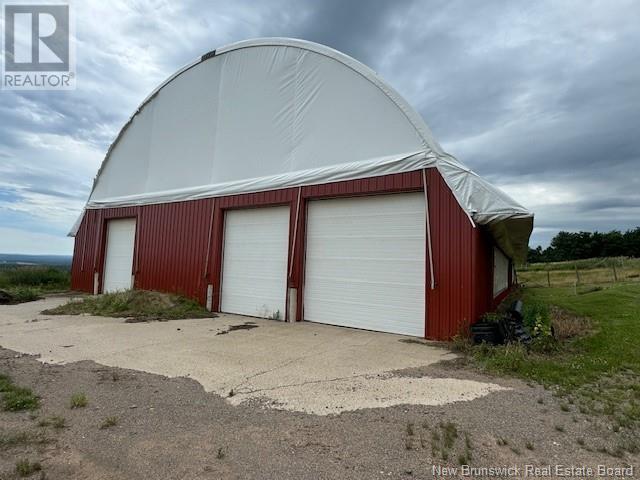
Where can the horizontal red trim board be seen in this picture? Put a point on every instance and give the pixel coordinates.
(178, 246)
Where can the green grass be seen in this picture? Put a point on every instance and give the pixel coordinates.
(443, 439)
(56, 421)
(27, 283)
(584, 264)
(10, 440)
(136, 305)
(16, 398)
(24, 294)
(109, 422)
(611, 348)
(592, 271)
(78, 400)
(24, 468)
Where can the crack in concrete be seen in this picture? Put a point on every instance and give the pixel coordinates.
(280, 366)
(313, 382)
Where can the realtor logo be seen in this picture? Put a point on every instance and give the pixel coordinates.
(37, 48)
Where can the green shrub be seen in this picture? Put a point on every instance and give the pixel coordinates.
(537, 319)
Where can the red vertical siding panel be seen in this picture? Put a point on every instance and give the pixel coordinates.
(448, 306)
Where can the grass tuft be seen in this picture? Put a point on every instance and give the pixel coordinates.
(24, 467)
(443, 439)
(410, 429)
(56, 421)
(78, 400)
(109, 422)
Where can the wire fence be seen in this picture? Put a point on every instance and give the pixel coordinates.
(593, 271)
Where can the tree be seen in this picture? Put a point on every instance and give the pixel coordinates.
(579, 245)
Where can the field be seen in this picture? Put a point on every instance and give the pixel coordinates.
(592, 271)
(28, 282)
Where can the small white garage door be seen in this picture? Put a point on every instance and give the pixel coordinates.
(365, 263)
(118, 262)
(254, 271)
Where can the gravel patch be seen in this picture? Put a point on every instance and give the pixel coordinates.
(171, 428)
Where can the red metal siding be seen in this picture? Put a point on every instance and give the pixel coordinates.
(179, 245)
(483, 272)
(169, 252)
(450, 304)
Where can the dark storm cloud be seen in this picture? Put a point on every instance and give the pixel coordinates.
(542, 98)
(357, 28)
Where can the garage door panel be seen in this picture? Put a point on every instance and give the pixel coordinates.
(365, 263)
(254, 271)
(382, 248)
(360, 270)
(364, 291)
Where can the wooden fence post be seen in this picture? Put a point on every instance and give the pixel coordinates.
(577, 274)
(548, 278)
(615, 274)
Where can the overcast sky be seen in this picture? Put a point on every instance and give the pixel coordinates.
(542, 98)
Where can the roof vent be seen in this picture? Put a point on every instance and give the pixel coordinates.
(208, 55)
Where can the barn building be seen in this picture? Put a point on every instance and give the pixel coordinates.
(282, 179)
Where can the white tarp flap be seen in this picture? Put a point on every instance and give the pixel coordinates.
(274, 113)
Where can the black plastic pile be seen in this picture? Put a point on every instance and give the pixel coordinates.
(508, 329)
(5, 298)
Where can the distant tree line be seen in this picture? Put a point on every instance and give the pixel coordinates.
(580, 245)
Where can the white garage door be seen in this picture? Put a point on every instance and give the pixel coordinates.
(365, 263)
(118, 262)
(254, 271)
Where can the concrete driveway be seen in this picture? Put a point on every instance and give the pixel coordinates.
(305, 367)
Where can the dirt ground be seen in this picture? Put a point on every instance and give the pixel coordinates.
(170, 428)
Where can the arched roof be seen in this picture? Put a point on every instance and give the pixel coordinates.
(273, 113)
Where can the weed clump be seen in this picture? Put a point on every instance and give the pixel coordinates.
(78, 400)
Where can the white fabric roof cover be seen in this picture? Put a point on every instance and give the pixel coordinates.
(272, 113)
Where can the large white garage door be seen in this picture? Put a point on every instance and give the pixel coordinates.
(118, 262)
(254, 271)
(365, 263)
